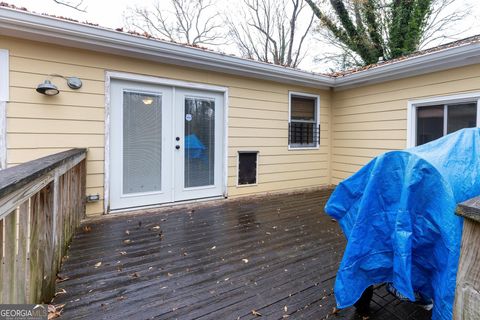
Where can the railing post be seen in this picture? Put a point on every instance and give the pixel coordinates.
(22, 269)
(8, 260)
(56, 204)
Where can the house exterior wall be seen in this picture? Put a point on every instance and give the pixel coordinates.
(371, 120)
(38, 125)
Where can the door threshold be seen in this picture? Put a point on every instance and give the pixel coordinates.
(164, 205)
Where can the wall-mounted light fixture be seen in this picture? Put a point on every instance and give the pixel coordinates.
(49, 89)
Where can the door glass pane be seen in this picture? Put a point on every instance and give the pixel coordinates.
(429, 124)
(199, 142)
(142, 142)
(461, 116)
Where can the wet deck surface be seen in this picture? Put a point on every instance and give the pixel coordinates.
(274, 256)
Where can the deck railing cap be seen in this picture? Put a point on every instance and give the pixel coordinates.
(14, 178)
(470, 209)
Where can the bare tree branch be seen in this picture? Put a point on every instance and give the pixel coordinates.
(443, 17)
(77, 5)
(362, 31)
(269, 31)
(191, 22)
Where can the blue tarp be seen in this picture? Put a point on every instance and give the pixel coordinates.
(397, 214)
(194, 147)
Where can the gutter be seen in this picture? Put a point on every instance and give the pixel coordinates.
(36, 27)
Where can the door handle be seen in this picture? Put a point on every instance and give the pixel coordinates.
(177, 147)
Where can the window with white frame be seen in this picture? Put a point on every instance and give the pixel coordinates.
(304, 121)
(439, 118)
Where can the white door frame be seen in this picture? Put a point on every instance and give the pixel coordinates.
(4, 98)
(114, 75)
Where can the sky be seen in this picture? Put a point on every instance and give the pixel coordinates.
(110, 13)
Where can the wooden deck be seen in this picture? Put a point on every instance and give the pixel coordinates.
(239, 259)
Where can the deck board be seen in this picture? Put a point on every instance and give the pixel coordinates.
(277, 255)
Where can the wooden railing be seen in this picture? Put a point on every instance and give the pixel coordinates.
(467, 292)
(41, 204)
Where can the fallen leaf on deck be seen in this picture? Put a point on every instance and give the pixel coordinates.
(127, 232)
(335, 310)
(245, 260)
(256, 313)
(135, 275)
(285, 309)
(365, 317)
(63, 291)
(214, 247)
(121, 298)
(169, 274)
(61, 279)
(127, 241)
(98, 264)
(123, 253)
(156, 228)
(54, 311)
(87, 229)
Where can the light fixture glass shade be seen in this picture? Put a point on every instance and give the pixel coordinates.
(47, 88)
(147, 101)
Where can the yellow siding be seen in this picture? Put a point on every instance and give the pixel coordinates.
(258, 116)
(370, 120)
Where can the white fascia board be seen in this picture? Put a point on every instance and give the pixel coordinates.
(58, 31)
(436, 61)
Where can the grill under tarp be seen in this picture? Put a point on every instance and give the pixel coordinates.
(397, 214)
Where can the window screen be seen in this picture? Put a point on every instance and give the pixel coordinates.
(247, 168)
(429, 124)
(434, 122)
(461, 116)
(303, 128)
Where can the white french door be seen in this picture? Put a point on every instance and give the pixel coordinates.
(199, 144)
(166, 144)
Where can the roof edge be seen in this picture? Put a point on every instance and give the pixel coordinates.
(447, 58)
(44, 28)
(48, 29)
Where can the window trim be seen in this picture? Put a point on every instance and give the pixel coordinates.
(317, 117)
(4, 98)
(238, 185)
(438, 100)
